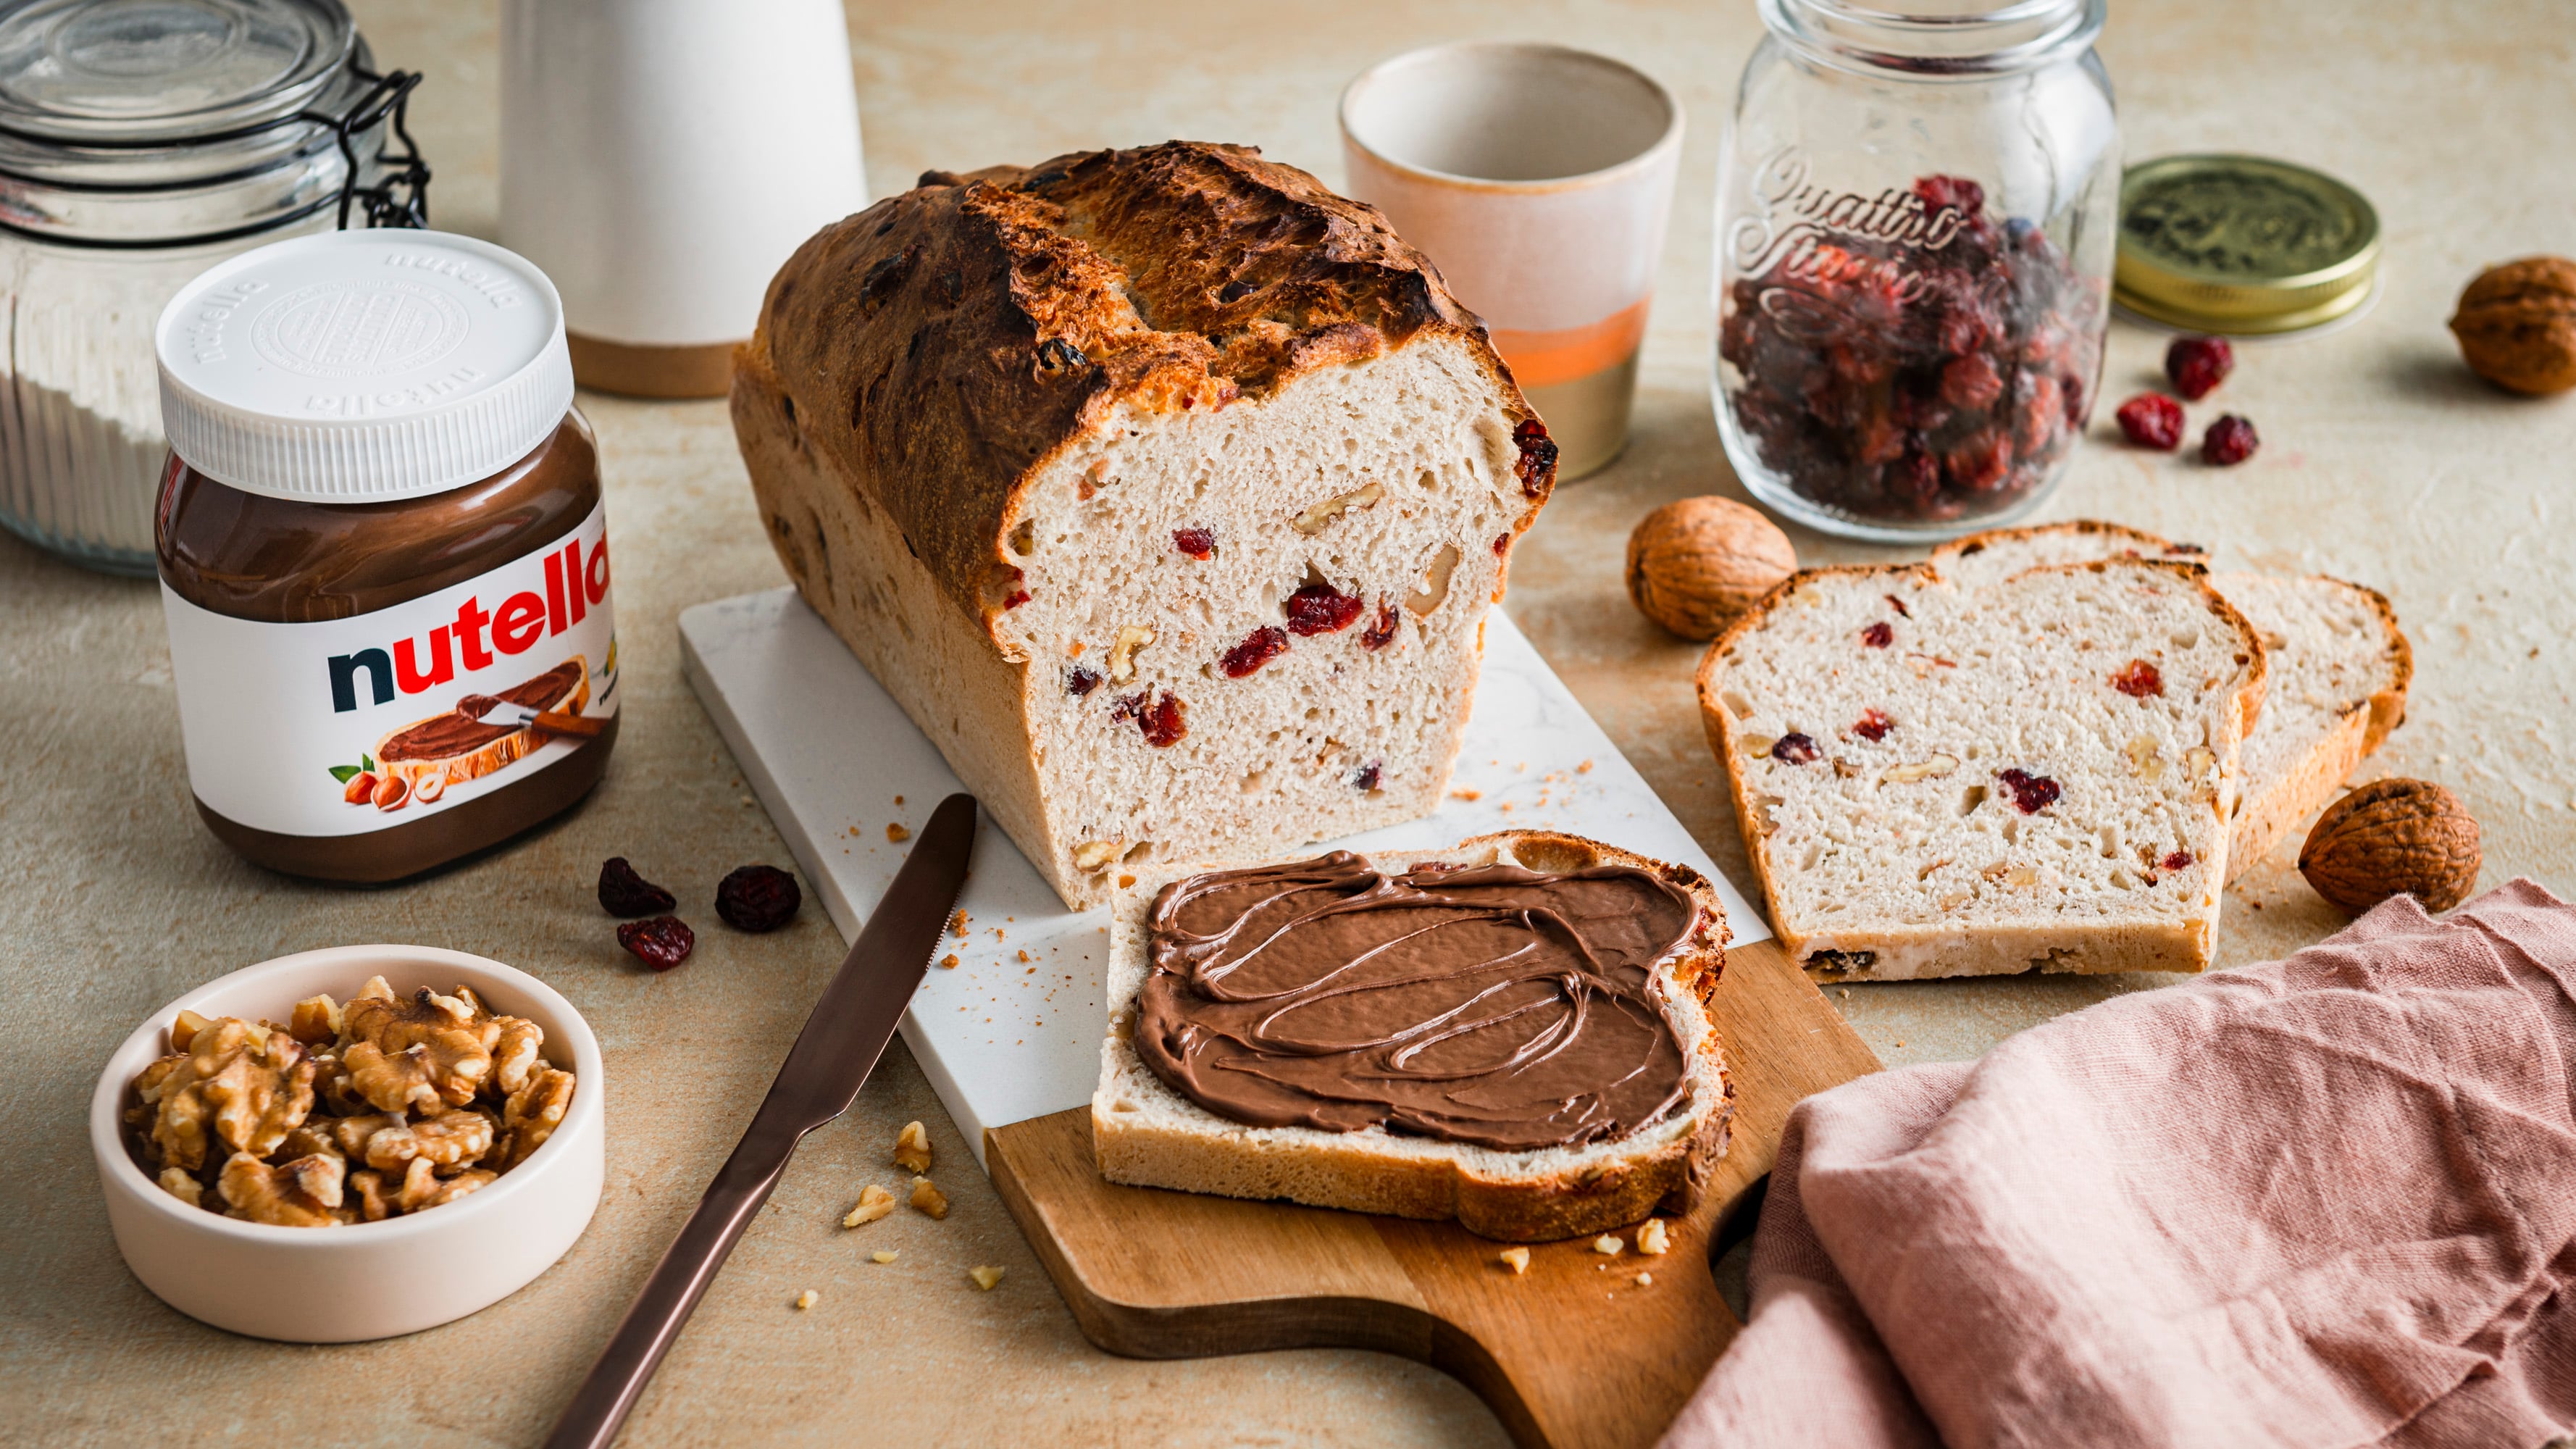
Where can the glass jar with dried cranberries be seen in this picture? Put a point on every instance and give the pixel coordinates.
(1915, 226)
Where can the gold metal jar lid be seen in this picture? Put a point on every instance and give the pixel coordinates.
(2242, 244)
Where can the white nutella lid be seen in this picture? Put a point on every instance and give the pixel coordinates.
(361, 366)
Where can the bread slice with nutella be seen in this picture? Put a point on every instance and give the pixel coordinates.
(1513, 1033)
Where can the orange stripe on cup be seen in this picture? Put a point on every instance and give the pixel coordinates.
(1544, 359)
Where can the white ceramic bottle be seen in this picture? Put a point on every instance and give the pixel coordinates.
(661, 158)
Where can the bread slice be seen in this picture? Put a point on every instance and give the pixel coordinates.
(1937, 779)
(2338, 666)
(450, 750)
(1147, 1134)
(1164, 489)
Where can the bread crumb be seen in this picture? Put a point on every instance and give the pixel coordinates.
(898, 802)
(949, 963)
(957, 924)
(1024, 955)
(1464, 793)
(807, 1299)
(1584, 769)
(985, 1277)
(1609, 1244)
(874, 1202)
(912, 1148)
(1650, 1238)
(882, 1255)
(854, 832)
(1645, 1280)
(1516, 1259)
(928, 1198)
(895, 833)
(1846, 993)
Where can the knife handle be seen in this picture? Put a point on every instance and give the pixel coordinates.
(599, 1407)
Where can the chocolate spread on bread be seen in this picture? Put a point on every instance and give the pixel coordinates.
(462, 731)
(1488, 1005)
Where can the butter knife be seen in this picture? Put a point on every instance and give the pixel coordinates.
(833, 1055)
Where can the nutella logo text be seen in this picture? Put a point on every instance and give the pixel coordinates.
(573, 583)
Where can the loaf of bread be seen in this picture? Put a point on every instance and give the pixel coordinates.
(2337, 666)
(1163, 488)
(1146, 1132)
(1943, 779)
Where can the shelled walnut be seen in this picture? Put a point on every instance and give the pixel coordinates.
(390, 1105)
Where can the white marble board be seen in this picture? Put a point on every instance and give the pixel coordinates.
(1005, 1039)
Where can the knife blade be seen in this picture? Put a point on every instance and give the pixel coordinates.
(485, 709)
(832, 1057)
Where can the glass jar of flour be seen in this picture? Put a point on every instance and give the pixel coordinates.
(142, 141)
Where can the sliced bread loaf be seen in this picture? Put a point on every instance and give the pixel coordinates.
(1936, 779)
(2337, 666)
(1478, 1072)
(1164, 489)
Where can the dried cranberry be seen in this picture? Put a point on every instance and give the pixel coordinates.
(624, 893)
(1982, 463)
(2198, 364)
(2179, 860)
(1127, 707)
(1163, 724)
(1015, 598)
(1795, 749)
(2229, 441)
(2031, 793)
(2138, 679)
(1258, 648)
(1502, 545)
(1536, 466)
(1320, 609)
(1365, 777)
(1196, 542)
(1873, 725)
(661, 943)
(1879, 634)
(1079, 681)
(1971, 383)
(2152, 420)
(1381, 630)
(758, 898)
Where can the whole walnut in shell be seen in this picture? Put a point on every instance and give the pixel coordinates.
(2390, 838)
(1695, 564)
(2517, 325)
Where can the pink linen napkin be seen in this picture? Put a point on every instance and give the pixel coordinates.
(2329, 1200)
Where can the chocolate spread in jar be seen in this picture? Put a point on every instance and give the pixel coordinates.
(383, 553)
(1488, 1005)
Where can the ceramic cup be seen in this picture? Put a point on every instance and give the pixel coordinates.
(661, 159)
(1539, 179)
(365, 1280)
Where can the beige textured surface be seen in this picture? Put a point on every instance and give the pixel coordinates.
(2384, 462)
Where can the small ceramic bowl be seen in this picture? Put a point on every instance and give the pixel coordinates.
(363, 1280)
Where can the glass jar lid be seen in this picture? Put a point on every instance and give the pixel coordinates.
(2242, 244)
(147, 71)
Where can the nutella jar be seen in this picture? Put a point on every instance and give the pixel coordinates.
(383, 553)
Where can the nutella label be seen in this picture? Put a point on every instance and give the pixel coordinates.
(370, 722)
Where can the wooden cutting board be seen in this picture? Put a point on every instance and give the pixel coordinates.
(1574, 1353)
